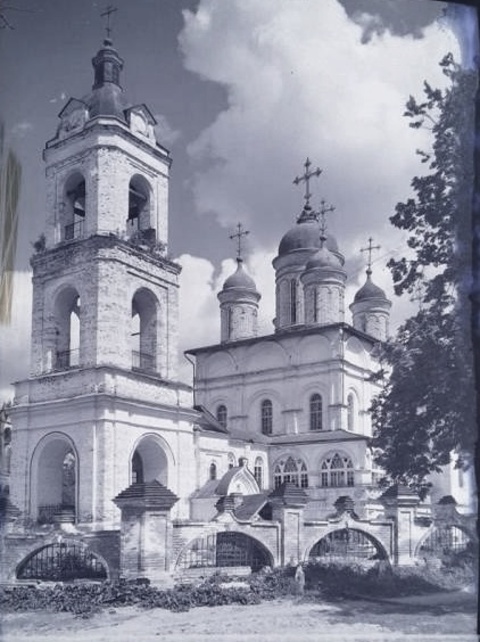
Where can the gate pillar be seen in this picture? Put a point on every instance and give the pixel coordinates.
(146, 531)
(288, 503)
(401, 505)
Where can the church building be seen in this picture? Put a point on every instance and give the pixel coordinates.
(265, 461)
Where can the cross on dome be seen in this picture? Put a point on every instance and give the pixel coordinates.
(305, 178)
(238, 235)
(370, 249)
(324, 210)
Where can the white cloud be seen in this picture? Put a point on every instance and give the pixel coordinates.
(20, 130)
(166, 135)
(300, 83)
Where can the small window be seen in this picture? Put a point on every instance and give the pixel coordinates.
(293, 301)
(266, 417)
(213, 471)
(351, 412)
(231, 461)
(222, 415)
(316, 412)
(258, 471)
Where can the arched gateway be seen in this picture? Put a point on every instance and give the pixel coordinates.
(347, 545)
(224, 549)
(62, 562)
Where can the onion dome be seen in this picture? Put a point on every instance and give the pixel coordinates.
(240, 279)
(369, 291)
(305, 235)
(106, 97)
(238, 306)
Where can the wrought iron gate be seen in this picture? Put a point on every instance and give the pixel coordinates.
(347, 544)
(62, 562)
(225, 549)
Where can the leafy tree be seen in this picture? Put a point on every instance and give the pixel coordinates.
(426, 409)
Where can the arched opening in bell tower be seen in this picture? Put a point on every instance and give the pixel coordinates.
(149, 462)
(74, 207)
(144, 331)
(139, 201)
(67, 329)
(54, 480)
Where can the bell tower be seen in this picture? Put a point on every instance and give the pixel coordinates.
(107, 193)
(102, 399)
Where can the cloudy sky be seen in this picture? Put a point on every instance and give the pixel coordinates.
(243, 91)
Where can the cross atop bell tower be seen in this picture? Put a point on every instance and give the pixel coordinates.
(106, 14)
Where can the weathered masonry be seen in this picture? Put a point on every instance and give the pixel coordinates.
(108, 467)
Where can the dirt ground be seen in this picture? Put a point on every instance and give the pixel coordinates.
(427, 618)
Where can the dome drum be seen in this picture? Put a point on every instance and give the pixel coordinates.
(234, 295)
(323, 275)
(373, 305)
(295, 259)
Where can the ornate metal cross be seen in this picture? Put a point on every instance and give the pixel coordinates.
(322, 212)
(370, 249)
(306, 178)
(238, 235)
(108, 12)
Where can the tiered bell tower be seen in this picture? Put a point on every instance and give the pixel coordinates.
(102, 400)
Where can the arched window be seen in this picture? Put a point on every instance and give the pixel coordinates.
(144, 331)
(351, 412)
(316, 412)
(231, 461)
(266, 410)
(293, 301)
(222, 415)
(213, 471)
(67, 327)
(73, 209)
(258, 471)
(138, 205)
(337, 471)
(291, 470)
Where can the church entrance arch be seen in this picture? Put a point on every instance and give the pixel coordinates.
(62, 562)
(149, 462)
(347, 545)
(54, 480)
(225, 550)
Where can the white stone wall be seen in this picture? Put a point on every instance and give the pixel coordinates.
(288, 370)
(104, 431)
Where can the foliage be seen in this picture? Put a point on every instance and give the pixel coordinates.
(426, 409)
(85, 599)
(354, 580)
(331, 581)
